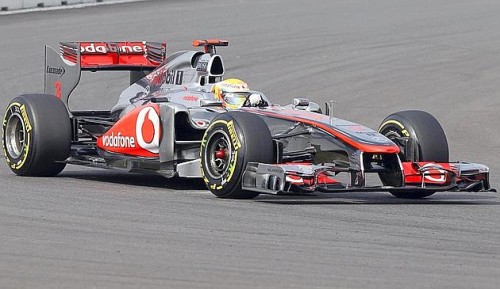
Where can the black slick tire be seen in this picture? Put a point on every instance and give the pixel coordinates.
(425, 134)
(232, 140)
(36, 135)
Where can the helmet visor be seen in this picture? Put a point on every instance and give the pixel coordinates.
(235, 98)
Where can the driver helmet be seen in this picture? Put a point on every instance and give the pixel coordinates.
(232, 92)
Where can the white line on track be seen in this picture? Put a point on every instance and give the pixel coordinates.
(74, 6)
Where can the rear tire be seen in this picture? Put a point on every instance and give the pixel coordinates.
(36, 135)
(424, 131)
(232, 140)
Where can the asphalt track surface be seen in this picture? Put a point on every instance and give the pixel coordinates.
(89, 228)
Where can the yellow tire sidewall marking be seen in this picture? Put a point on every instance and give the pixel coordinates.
(235, 142)
(28, 128)
(397, 123)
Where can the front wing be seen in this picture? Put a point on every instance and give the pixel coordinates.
(418, 177)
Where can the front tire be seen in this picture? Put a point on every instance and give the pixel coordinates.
(232, 140)
(36, 135)
(420, 137)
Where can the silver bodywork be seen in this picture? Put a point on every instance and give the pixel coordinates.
(181, 87)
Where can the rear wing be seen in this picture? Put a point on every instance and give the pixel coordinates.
(114, 55)
(63, 68)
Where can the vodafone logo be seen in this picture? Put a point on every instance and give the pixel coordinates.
(118, 141)
(147, 130)
(103, 48)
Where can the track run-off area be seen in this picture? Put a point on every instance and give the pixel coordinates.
(90, 228)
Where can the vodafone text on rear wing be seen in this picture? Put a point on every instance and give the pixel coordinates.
(63, 68)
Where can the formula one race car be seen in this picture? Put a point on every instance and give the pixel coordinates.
(170, 121)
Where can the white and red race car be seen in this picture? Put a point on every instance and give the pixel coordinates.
(168, 122)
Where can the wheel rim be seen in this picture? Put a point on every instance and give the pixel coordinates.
(218, 154)
(15, 136)
(391, 133)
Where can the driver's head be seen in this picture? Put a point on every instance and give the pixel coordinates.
(232, 92)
